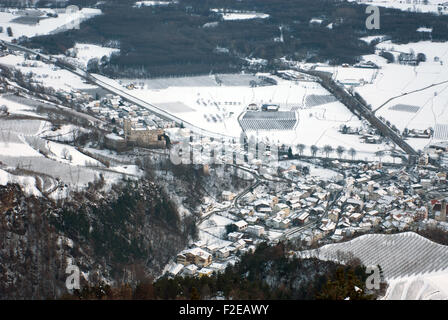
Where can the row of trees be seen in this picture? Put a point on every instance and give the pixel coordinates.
(327, 150)
(8, 31)
(340, 151)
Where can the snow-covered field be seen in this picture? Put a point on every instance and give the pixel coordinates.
(64, 134)
(12, 137)
(399, 255)
(216, 107)
(140, 4)
(48, 75)
(429, 287)
(35, 22)
(85, 52)
(28, 184)
(424, 86)
(407, 260)
(413, 97)
(17, 108)
(244, 16)
(211, 231)
(369, 39)
(432, 6)
(236, 15)
(28, 159)
(315, 171)
(215, 103)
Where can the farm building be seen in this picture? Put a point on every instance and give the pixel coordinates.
(270, 107)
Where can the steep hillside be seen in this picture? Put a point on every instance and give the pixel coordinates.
(126, 235)
(268, 273)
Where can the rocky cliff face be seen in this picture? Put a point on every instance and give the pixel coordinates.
(125, 235)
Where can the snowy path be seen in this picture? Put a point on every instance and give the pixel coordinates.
(407, 93)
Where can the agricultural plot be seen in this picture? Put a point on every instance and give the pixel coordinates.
(231, 80)
(282, 120)
(397, 86)
(12, 144)
(12, 132)
(432, 287)
(219, 109)
(441, 132)
(43, 167)
(34, 22)
(217, 100)
(316, 100)
(405, 108)
(15, 107)
(413, 97)
(236, 80)
(45, 74)
(429, 6)
(65, 133)
(28, 184)
(77, 176)
(399, 255)
(25, 127)
(174, 107)
(164, 83)
(27, 20)
(26, 101)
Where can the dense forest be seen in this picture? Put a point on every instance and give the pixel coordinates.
(128, 234)
(267, 274)
(172, 40)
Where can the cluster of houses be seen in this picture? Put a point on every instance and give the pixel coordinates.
(288, 208)
(264, 107)
(380, 200)
(202, 259)
(140, 127)
(436, 152)
(113, 109)
(366, 65)
(367, 135)
(418, 133)
(371, 198)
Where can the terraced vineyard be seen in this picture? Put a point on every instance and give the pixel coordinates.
(316, 100)
(418, 288)
(281, 120)
(399, 255)
(441, 132)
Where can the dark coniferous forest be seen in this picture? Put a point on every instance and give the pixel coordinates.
(178, 39)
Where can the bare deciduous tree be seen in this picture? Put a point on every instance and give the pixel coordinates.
(340, 151)
(327, 150)
(352, 153)
(301, 148)
(314, 150)
(65, 154)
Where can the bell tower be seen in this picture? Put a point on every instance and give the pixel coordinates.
(127, 127)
